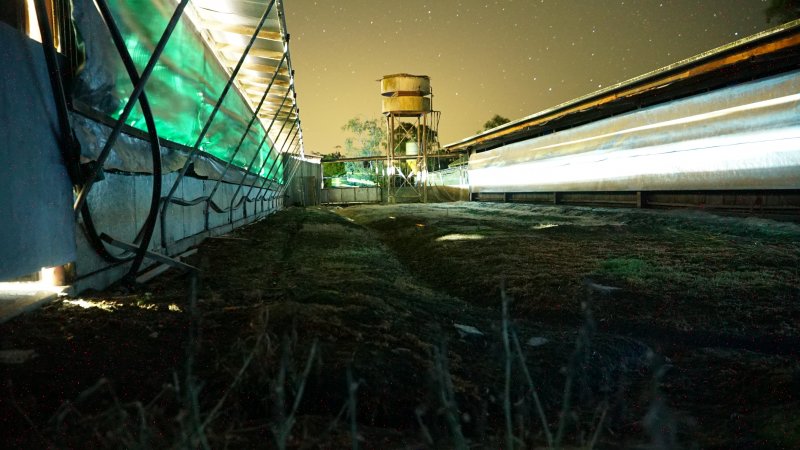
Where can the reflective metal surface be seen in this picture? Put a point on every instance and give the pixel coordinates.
(741, 137)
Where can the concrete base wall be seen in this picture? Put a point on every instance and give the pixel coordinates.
(120, 204)
(351, 195)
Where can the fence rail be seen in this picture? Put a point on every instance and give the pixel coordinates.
(333, 196)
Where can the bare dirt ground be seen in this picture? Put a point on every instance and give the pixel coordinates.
(622, 329)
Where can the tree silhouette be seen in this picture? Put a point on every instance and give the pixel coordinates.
(783, 10)
(368, 137)
(495, 121)
(332, 169)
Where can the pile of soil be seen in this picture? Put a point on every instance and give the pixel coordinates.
(430, 326)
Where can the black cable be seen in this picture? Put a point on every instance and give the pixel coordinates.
(253, 118)
(258, 150)
(210, 119)
(70, 146)
(149, 225)
(129, 105)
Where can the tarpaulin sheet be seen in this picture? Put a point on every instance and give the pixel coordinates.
(131, 154)
(37, 229)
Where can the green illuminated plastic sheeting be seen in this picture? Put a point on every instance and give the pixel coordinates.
(185, 86)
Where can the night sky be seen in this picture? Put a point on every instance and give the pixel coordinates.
(487, 57)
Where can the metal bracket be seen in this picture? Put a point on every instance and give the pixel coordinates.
(148, 254)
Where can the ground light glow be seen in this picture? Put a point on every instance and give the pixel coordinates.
(87, 304)
(460, 237)
(23, 288)
(46, 283)
(112, 306)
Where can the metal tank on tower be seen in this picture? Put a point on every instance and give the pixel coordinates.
(412, 130)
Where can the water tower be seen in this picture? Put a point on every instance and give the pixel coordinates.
(412, 128)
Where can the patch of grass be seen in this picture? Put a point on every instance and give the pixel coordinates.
(645, 276)
(381, 300)
(628, 268)
(782, 428)
(742, 279)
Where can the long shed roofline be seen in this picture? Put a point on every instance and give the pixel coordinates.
(739, 61)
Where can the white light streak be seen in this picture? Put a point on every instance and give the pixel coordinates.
(460, 237)
(636, 168)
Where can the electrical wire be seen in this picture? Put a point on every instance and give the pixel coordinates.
(149, 225)
(70, 146)
(210, 120)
